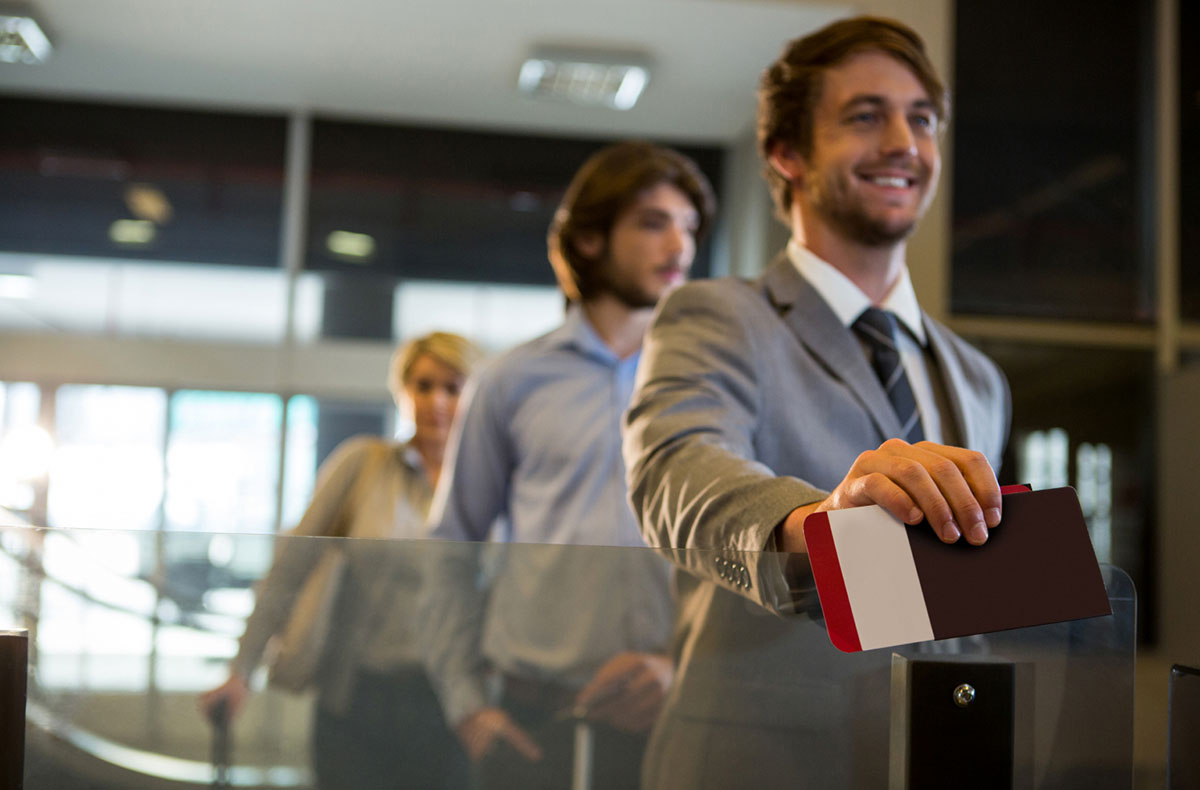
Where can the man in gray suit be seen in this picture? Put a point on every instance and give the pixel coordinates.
(820, 386)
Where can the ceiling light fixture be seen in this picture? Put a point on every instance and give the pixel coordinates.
(132, 232)
(146, 201)
(22, 39)
(355, 247)
(607, 79)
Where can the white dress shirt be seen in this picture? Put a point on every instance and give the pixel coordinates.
(848, 302)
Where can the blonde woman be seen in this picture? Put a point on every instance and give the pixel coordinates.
(377, 723)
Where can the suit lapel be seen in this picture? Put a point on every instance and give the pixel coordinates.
(967, 411)
(817, 327)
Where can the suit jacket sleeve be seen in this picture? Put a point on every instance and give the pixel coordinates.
(689, 445)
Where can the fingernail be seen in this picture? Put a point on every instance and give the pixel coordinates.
(993, 516)
(978, 534)
(914, 516)
(950, 532)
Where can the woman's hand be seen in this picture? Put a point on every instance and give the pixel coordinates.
(229, 696)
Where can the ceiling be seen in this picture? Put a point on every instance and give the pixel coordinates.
(426, 61)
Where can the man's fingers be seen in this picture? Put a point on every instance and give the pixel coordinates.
(874, 488)
(476, 743)
(952, 502)
(475, 740)
(603, 688)
(635, 711)
(521, 741)
(952, 488)
(968, 484)
(934, 476)
(481, 730)
(639, 719)
(634, 701)
(637, 694)
(982, 479)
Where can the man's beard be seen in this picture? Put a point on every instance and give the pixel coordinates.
(845, 212)
(626, 290)
(855, 224)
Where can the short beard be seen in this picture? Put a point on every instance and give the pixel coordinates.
(627, 293)
(833, 202)
(858, 227)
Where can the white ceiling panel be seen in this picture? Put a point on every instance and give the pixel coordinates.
(453, 61)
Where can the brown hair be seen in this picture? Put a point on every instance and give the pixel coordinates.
(454, 351)
(790, 88)
(607, 184)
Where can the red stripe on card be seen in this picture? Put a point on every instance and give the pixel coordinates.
(1016, 488)
(831, 585)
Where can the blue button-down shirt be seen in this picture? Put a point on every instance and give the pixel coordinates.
(536, 458)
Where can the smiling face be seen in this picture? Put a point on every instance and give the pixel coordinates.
(874, 163)
(650, 248)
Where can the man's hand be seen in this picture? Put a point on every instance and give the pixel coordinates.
(954, 489)
(480, 731)
(628, 691)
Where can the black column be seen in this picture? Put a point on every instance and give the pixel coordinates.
(14, 668)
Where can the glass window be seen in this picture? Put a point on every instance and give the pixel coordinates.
(300, 458)
(223, 453)
(25, 447)
(1042, 462)
(222, 461)
(156, 298)
(1085, 417)
(1093, 482)
(391, 204)
(1050, 183)
(108, 464)
(495, 316)
(338, 420)
(195, 198)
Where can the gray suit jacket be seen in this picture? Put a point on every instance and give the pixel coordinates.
(753, 400)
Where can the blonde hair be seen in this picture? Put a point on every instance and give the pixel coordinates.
(454, 351)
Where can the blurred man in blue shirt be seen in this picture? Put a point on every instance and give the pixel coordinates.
(538, 451)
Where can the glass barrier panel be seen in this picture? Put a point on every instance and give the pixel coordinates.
(562, 666)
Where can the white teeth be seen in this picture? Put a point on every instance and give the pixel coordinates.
(889, 181)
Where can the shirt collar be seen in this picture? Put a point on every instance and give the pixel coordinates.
(848, 301)
(577, 332)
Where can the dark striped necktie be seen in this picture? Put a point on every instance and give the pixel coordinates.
(877, 328)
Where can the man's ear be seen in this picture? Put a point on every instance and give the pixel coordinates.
(787, 162)
(589, 245)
